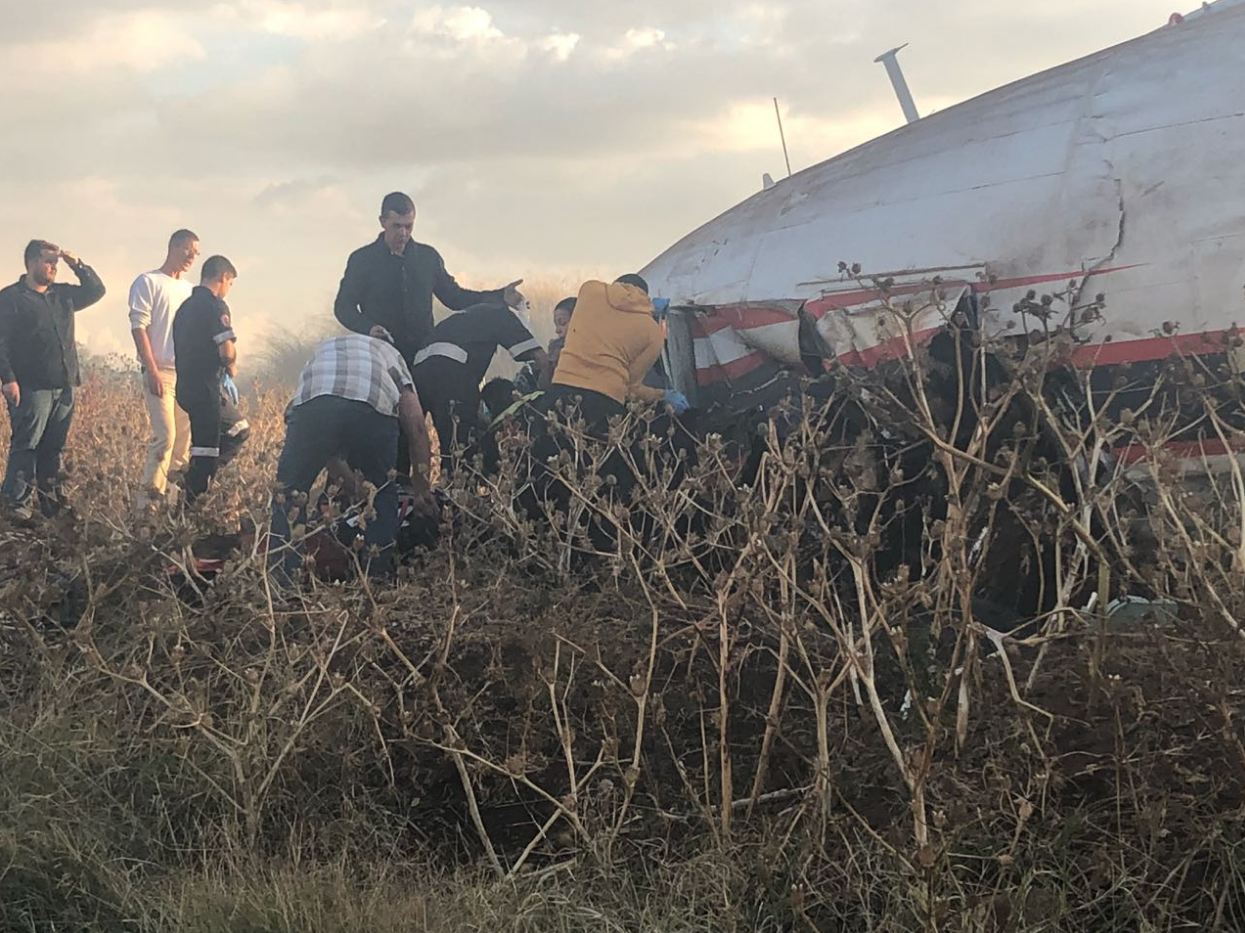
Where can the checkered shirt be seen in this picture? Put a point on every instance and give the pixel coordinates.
(356, 367)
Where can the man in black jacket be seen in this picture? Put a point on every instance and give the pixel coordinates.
(39, 371)
(391, 283)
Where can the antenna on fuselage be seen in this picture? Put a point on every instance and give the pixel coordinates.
(782, 136)
(899, 83)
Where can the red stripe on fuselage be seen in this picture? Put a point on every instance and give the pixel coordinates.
(1115, 352)
(735, 369)
(1183, 450)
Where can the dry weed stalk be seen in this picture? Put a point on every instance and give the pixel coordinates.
(856, 614)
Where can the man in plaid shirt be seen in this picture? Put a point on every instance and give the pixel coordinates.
(355, 398)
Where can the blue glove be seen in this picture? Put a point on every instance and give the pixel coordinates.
(676, 400)
(229, 388)
(660, 307)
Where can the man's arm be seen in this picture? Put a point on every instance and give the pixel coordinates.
(346, 307)
(411, 417)
(229, 355)
(454, 296)
(639, 369)
(8, 379)
(544, 367)
(151, 372)
(90, 287)
(140, 320)
(226, 340)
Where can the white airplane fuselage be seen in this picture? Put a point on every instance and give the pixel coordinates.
(1124, 170)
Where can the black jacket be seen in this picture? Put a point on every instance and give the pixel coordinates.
(396, 292)
(37, 346)
(200, 326)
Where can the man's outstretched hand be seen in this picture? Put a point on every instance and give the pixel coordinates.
(512, 296)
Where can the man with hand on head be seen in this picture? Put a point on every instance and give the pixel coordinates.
(206, 360)
(355, 400)
(39, 371)
(154, 300)
(391, 283)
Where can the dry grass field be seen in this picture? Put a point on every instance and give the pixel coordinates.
(881, 676)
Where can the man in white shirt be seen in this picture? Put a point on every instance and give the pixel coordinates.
(154, 300)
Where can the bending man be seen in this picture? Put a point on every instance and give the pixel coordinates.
(449, 370)
(611, 344)
(355, 397)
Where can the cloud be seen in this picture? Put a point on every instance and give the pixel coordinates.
(559, 45)
(639, 40)
(534, 134)
(460, 23)
(307, 22)
(139, 41)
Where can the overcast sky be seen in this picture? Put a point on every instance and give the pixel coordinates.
(539, 138)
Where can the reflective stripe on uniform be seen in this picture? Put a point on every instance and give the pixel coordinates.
(525, 346)
(205, 451)
(450, 350)
(223, 336)
(237, 428)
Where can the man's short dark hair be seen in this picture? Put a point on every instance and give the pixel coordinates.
(183, 236)
(498, 395)
(632, 279)
(35, 248)
(566, 304)
(217, 268)
(397, 203)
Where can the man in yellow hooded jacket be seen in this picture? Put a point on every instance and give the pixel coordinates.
(612, 343)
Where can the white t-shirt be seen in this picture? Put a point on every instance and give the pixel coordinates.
(154, 300)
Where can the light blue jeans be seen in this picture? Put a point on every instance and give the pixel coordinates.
(40, 429)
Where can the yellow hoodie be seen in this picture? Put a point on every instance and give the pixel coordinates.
(612, 343)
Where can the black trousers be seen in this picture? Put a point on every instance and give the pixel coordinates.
(452, 397)
(316, 431)
(595, 408)
(217, 433)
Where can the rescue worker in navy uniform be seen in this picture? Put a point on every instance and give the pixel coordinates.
(206, 359)
(448, 371)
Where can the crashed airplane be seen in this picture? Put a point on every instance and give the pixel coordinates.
(1122, 170)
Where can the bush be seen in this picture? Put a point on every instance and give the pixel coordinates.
(870, 672)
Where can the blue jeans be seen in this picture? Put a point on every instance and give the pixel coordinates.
(316, 431)
(40, 429)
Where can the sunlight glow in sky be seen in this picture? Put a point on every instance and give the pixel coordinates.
(542, 138)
